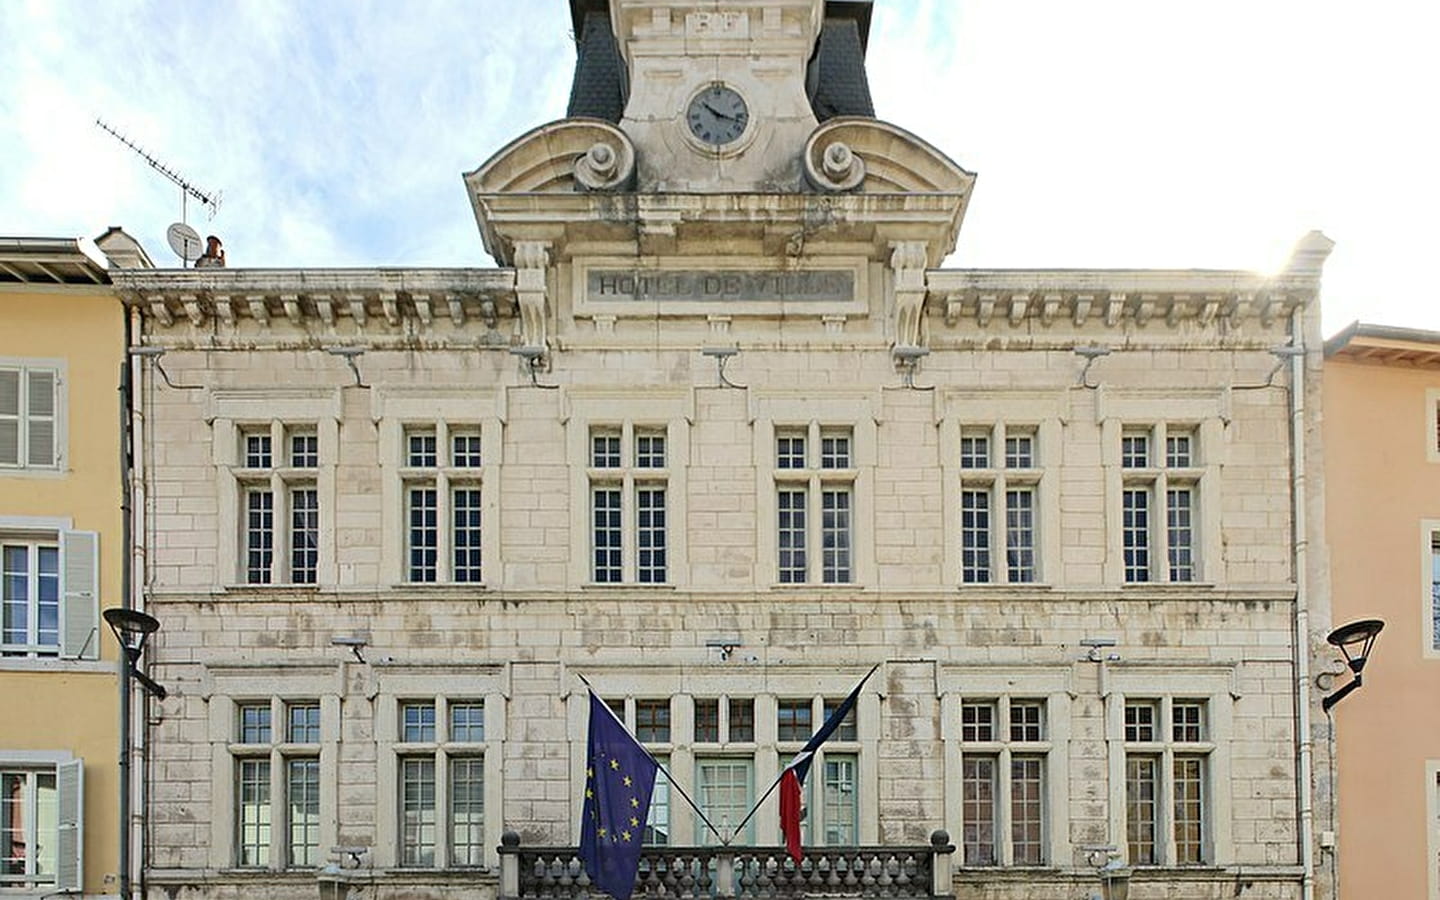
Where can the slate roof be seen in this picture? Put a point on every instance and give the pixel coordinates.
(836, 77)
(598, 89)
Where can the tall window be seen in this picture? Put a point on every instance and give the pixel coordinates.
(30, 412)
(814, 500)
(832, 790)
(629, 476)
(999, 483)
(442, 473)
(725, 792)
(1166, 790)
(41, 830)
(1003, 763)
(440, 768)
(280, 504)
(277, 831)
(1161, 478)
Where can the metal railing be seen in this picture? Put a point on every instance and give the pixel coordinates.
(701, 873)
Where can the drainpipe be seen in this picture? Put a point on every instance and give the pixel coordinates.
(126, 582)
(1306, 804)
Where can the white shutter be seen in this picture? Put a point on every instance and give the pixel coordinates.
(40, 417)
(9, 417)
(80, 612)
(70, 844)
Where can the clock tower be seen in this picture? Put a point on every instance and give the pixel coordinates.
(719, 97)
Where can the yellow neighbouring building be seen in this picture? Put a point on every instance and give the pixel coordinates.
(1382, 497)
(62, 345)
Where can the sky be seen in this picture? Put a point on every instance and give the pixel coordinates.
(1105, 133)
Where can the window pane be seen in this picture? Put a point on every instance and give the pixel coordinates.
(1135, 451)
(304, 451)
(846, 731)
(467, 722)
(1140, 795)
(1135, 526)
(1020, 535)
(657, 826)
(975, 451)
(1189, 810)
(304, 535)
(840, 800)
(417, 722)
(742, 720)
(707, 721)
(975, 537)
(1180, 532)
(1019, 451)
(649, 451)
(1435, 589)
(423, 534)
(652, 721)
(465, 534)
(256, 450)
(467, 811)
(790, 451)
(465, 450)
(255, 723)
(835, 535)
(304, 726)
(1027, 720)
(977, 720)
(1140, 719)
(978, 797)
(1027, 795)
(724, 795)
(791, 534)
(606, 534)
(420, 449)
(259, 535)
(17, 594)
(1189, 721)
(793, 720)
(650, 549)
(835, 450)
(605, 450)
(417, 811)
(303, 795)
(1178, 451)
(253, 811)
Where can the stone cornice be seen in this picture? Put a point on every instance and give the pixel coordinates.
(325, 295)
(1115, 295)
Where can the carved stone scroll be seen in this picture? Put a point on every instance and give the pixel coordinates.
(908, 260)
(532, 260)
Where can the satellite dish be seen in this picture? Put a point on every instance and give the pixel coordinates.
(184, 240)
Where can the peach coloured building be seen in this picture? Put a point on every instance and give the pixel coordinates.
(1382, 488)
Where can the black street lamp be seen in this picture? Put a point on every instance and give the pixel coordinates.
(1355, 641)
(131, 628)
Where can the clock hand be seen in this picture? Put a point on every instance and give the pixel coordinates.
(706, 104)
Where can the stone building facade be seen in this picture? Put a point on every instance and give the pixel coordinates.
(718, 435)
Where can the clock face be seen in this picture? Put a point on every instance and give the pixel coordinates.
(717, 115)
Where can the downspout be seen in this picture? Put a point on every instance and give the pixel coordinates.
(1301, 540)
(126, 586)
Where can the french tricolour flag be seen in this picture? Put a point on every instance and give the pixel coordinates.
(794, 775)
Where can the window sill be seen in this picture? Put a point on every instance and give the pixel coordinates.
(278, 587)
(784, 586)
(439, 586)
(56, 664)
(627, 586)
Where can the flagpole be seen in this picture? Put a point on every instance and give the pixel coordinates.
(704, 818)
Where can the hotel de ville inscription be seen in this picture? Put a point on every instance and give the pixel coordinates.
(684, 285)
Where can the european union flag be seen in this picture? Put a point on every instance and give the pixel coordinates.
(619, 776)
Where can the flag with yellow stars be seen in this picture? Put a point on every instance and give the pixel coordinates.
(619, 776)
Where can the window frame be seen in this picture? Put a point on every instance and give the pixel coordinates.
(77, 587)
(456, 549)
(816, 504)
(68, 773)
(273, 751)
(643, 499)
(24, 417)
(283, 548)
(990, 519)
(994, 741)
(1152, 551)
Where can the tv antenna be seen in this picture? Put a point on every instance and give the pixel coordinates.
(210, 201)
